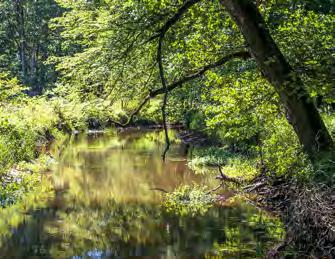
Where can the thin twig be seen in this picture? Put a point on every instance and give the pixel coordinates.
(158, 189)
(215, 189)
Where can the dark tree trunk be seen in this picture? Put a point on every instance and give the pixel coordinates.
(33, 67)
(301, 111)
(22, 38)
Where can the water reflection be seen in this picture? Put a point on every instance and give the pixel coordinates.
(103, 206)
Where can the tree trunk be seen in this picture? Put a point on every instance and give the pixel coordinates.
(33, 67)
(301, 111)
(22, 39)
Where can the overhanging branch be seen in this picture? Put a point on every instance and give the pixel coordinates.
(179, 83)
(166, 91)
(201, 71)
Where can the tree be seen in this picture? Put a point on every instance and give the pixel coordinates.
(26, 42)
(301, 111)
(185, 54)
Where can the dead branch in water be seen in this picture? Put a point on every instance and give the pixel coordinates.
(254, 187)
(223, 177)
(158, 189)
(215, 189)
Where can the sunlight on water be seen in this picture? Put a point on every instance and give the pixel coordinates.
(104, 205)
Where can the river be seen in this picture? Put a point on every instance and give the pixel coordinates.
(106, 203)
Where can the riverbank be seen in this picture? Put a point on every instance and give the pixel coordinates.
(235, 165)
(305, 206)
(27, 127)
(104, 195)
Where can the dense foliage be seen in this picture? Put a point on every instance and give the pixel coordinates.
(110, 62)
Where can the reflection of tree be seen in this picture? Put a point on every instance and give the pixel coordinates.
(134, 229)
(104, 207)
(144, 229)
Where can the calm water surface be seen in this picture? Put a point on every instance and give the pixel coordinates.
(104, 206)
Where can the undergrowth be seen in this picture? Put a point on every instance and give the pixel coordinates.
(27, 126)
(286, 181)
(22, 179)
(207, 160)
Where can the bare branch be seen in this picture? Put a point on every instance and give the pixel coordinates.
(170, 22)
(215, 188)
(165, 89)
(222, 177)
(158, 189)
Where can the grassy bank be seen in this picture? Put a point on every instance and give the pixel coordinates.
(25, 133)
(27, 126)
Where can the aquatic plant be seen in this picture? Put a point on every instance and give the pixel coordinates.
(189, 200)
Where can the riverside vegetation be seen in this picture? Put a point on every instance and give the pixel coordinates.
(256, 78)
